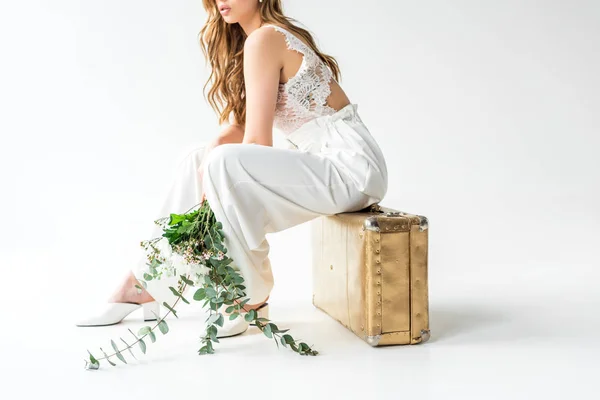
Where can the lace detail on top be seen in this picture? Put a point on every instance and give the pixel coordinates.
(304, 96)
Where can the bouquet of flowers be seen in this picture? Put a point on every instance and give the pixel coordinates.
(191, 248)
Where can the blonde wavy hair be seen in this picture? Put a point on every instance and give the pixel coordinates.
(223, 48)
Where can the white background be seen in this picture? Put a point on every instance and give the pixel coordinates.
(486, 111)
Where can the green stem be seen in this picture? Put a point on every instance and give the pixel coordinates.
(151, 329)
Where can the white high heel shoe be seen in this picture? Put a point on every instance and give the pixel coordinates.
(238, 325)
(113, 313)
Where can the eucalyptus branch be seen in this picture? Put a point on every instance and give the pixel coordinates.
(193, 242)
(93, 362)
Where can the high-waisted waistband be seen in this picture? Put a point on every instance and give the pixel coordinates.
(309, 133)
(343, 138)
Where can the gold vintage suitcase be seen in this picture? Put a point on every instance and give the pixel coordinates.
(370, 273)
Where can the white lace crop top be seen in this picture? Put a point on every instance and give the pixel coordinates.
(304, 96)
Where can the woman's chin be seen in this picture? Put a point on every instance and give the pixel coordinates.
(229, 20)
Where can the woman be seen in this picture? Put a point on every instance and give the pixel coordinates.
(266, 72)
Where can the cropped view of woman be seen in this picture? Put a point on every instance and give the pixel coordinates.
(266, 73)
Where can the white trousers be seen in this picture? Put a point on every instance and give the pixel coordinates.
(333, 165)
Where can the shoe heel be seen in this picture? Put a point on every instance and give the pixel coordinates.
(262, 312)
(149, 308)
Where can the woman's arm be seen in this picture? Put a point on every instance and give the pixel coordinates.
(233, 133)
(263, 60)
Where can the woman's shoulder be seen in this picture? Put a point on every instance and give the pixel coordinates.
(264, 45)
(292, 41)
(263, 36)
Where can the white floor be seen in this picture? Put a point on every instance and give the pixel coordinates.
(527, 338)
(486, 117)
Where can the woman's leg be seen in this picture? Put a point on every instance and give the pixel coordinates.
(184, 193)
(255, 189)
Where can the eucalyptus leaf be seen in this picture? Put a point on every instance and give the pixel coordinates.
(288, 339)
(170, 308)
(233, 316)
(92, 358)
(129, 348)
(230, 309)
(144, 330)
(200, 294)
(142, 345)
(114, 345)
(243, 302)
(184, 299)
(186, 280)
(107, 358)
(164, 328)
(212, 318)
(267, 331)
(117, 351)
(134, 335)
(211, 330)
(210, 292)
(273, 327)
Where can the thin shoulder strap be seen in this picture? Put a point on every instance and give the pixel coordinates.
(292, 40)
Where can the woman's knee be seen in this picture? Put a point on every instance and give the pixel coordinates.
(196, 151)
(223, 157)
(221, 153)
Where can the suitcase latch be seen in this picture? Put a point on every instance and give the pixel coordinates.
(393, 213)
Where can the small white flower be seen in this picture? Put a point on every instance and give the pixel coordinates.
(178, 263)
(164, 247)
(198, 269)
